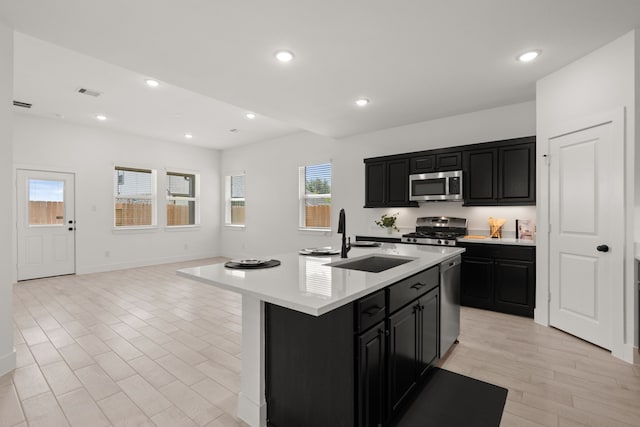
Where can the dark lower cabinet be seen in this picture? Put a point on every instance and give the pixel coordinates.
(403, 336)
(499, 278)
(356, 365)
(477, 282)
(413, 346)
(309, 364)
(372, 377)
(514, 282)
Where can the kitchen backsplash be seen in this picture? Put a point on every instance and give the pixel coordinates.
(477, 216)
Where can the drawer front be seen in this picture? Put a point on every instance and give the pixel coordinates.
(491, 250)
(515, 252)
(408, 289)
(370, 310)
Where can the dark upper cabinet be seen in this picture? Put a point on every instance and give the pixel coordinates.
(517, 174)
(501, 173)
(498, 173)
(387, 183)
(481, 173)
(437, 162)
(423, 164)
(449, 161)
(375, 183)
(499, 278)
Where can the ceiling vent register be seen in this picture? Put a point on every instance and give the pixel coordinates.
(89, 92)
(22, 104)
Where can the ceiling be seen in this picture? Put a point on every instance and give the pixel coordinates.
(415, 60)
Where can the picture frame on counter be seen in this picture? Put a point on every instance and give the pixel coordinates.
(525, 229)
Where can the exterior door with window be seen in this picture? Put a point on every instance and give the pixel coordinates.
(46, 224)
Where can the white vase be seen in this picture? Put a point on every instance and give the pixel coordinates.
(389, 230)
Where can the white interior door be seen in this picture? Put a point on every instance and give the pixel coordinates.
(46, 224)
(586, 247)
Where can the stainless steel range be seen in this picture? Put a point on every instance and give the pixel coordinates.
(437, 230)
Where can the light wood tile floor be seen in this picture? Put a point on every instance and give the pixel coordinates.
(138, 347)
(553, 378)
(143, 347)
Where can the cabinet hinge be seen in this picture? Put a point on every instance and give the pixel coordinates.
(549, 297)
(547, 158)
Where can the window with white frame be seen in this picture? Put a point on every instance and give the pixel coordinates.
(315, 196)
(134, 197)
(182, 199)
(235, 201)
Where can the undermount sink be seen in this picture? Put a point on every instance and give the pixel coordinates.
(371, 263)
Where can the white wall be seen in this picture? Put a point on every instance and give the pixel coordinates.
(602, 81)
(7, 278)
(91, 153)
(272, 179)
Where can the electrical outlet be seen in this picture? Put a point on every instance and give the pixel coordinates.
(107, 254)
(186, 246)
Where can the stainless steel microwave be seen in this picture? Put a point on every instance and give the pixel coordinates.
(435, 186)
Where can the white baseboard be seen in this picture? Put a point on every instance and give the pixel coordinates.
(625, 352)
(7, 362)
(101, 268)
(250, 412)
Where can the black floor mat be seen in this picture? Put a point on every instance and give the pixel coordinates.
(453, 400)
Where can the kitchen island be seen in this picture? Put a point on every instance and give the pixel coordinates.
(305, 285)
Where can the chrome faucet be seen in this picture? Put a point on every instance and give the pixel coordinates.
(342, 228)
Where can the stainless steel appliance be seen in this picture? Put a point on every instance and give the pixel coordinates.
(435, 186)
(449, 303)
(437, 230)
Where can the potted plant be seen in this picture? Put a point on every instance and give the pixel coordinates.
(388, 222)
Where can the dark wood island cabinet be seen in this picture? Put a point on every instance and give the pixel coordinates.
(356, 365)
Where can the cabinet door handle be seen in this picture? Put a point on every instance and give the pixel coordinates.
(372, 311)
(418, 286)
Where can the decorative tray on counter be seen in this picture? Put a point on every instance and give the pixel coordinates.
(319, 251)
(365, 244)
(252, 263)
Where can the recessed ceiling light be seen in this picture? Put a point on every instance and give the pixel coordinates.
(529, 56)
(152, 83)
(362, 102)
(284, 56)
(250, 115)
(101, 117)
(188, 135)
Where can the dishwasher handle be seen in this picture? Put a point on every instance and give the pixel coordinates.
(450, 263)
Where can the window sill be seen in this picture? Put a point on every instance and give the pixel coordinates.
(182, 227)
(134, 230)
(234, 226)
(315, 230)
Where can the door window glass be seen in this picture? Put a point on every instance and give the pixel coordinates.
(46, 202)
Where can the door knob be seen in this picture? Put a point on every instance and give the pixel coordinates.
(602, 248)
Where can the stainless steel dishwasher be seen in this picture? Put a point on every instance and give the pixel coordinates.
(449, 303)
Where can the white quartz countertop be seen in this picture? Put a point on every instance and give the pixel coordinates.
(502, 241)
(306, 284)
